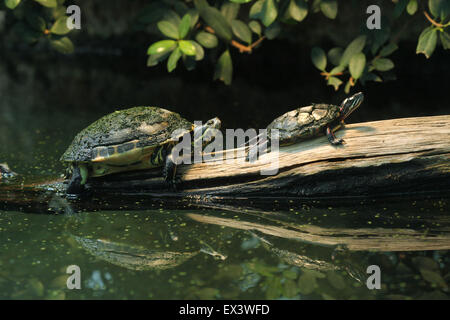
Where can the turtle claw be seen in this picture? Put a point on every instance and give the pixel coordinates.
(338, 142)
(75, 189)
(332, 138)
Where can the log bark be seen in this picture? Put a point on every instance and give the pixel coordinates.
(379, 158)
(399, 156)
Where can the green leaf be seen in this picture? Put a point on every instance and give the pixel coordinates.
(189, 62)
(241, 30)
(388, 49)
(255, 27)
(172, 17)
(269, 12)
(445, 39)
(58, 12)
(383, 64)
(12, 4)
(217, 21)
(162, 46)
(241, 1)
(335, 82)
(206, 39)
(337, 70)
(184, 26)
(319, 58)
(194, 16)
(36, 22)
(63, 45)
(173, 59)
(353, 48)
(180, 7)
(154, 59)
(60, 26)
(427, 41)
(411, 8)
(356, 65)
(368, 76)
(348, 85)
(273, 31)
(298, 9)
(199, 52)
(200, 4)
(399, 8)
(255, 10)
(48, 3)
(230, 10)
(224, 68)
(335, 55)
(187, 47)
(439, 8)
(168, 29)
(329, 8)
(379, 38)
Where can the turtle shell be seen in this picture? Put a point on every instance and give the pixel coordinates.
(304, 123)
(116, 135)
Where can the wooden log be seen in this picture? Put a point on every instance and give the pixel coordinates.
(403, 156)
(380, 158)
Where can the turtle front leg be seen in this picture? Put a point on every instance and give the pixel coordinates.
(169, 172)
(332, 138)
(75, 188)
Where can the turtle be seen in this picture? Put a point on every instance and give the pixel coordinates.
(132, 139)
(307, 122)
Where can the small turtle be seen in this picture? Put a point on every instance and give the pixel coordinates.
(133, 139)
(311, 121)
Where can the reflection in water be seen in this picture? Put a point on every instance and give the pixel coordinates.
(223, 254)
(133, 258)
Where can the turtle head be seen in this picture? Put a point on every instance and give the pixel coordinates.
(351, 104)
(205, 133)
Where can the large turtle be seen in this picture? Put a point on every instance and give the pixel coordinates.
(133, 139)
(311, 121)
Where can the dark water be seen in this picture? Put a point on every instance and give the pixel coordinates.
(308, 251)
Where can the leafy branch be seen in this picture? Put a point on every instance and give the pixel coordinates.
(193, 29)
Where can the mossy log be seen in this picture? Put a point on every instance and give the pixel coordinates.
(399, 156)
(379, 158)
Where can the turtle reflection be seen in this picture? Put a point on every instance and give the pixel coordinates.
(139, 258)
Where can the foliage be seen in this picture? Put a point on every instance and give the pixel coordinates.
(41, 19)
(193, 28)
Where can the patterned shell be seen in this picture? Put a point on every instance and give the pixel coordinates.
(304, 123)
(125, 130)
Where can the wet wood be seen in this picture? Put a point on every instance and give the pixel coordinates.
(381, 157)
(354, 239)
(399, 156)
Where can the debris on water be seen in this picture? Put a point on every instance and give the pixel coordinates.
(209, 250)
